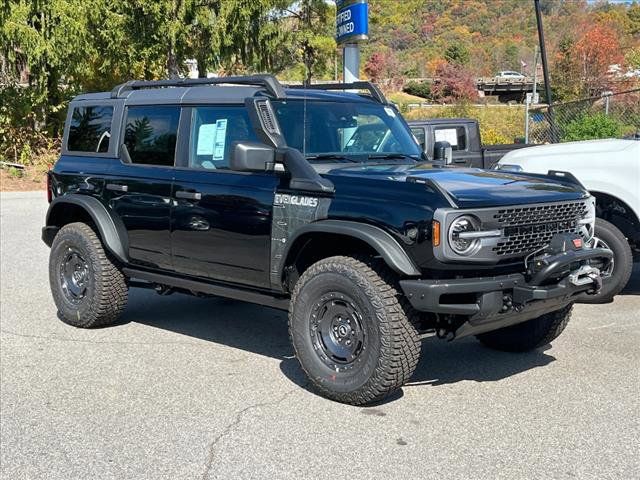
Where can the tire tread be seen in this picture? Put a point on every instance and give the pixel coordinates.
(110, 285)
(400, 344)
(529, 335)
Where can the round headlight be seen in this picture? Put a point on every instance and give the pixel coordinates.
(460, 243)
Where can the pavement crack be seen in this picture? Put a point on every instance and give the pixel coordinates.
(211, 450)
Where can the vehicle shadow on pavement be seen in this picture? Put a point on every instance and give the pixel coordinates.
(232, 323)
(443, 362)
(263, 331)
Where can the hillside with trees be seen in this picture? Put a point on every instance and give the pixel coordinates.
(464, 39)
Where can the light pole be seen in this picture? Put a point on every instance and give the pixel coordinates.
(545, 71)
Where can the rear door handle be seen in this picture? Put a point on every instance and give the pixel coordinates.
(117, 188)
(188, 195)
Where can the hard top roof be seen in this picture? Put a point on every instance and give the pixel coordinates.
(216, 94)
(230, 90)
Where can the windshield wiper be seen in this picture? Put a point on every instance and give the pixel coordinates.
(332, 156)
(391, 156)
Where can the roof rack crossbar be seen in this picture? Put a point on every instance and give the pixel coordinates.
(374, 91)
(269, 82)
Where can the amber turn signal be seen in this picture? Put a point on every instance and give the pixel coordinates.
(435, 233)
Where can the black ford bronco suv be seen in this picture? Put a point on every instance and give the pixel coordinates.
(316, 201)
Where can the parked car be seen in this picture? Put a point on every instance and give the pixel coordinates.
(289, 198)
(463, 135)
(610, 170)
(510, 75)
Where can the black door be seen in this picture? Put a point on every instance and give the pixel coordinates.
(221, 220)
(458, 138)
(139, 191)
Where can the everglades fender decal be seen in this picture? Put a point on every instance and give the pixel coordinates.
(290, 212)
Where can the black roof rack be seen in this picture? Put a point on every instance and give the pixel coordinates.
(374, 91)
(269, 82)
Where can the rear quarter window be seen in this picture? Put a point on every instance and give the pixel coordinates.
(90, 129)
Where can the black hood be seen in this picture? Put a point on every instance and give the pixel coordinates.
(472, 187)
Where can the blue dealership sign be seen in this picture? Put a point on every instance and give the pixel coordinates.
(352, 21)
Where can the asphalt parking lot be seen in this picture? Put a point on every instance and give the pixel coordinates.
(188, 388)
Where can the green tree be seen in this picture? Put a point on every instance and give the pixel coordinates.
(591, 127)
(309, 39)
(50, 39)
(511, 56)
(457, 54)
(634, 18)
(632, 58)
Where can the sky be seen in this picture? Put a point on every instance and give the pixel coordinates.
(622, 2)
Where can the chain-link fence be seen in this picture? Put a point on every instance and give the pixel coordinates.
(612, 115)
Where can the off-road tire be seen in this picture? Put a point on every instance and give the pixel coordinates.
(528, 335)
(622, 266)
(392, 345)
(106, 286)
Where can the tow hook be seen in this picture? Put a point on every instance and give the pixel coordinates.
(585, 275)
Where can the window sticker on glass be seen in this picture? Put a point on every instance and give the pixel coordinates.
(447, 135)
(221, 138)
(206, 137)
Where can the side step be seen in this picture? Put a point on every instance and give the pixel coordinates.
(210, 288)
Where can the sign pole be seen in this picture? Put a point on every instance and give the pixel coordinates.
(352, 27)
(351, 66)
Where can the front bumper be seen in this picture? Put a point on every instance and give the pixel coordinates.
(490, 303)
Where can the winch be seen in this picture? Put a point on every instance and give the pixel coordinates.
(561, 259)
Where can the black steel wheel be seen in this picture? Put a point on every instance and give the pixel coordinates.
(88, 288)
(336, 331)
(74, 276)
(351, 330)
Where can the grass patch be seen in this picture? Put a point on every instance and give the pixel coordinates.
(498, 123)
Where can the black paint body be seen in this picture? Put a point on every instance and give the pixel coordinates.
(227, 235)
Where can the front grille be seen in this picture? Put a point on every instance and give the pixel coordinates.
(528, 229)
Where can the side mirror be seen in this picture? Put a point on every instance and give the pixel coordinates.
(442, 152)
(252, 157)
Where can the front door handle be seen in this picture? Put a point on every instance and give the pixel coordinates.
(117, 188)
(188, 195)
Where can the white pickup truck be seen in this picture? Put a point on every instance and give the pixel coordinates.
(610, 170)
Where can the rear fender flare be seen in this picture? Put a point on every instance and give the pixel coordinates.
(111, 231)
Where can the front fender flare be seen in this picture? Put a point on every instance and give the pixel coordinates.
(378, 239)
(112, 235)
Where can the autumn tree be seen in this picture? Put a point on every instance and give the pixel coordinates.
(596, 50)
(383, 68)
(454, 83)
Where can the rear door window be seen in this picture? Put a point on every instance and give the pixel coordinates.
(150, 135)
(90, 129)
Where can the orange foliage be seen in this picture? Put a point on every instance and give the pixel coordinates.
(597, 49)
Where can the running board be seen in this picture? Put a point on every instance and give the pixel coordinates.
(210, 288)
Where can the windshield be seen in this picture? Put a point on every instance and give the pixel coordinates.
(346, 129)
